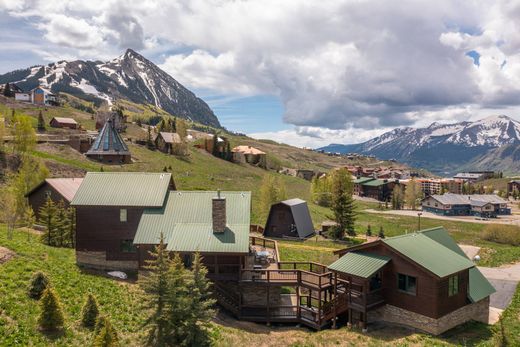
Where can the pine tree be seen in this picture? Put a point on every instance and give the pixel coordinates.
(178, 302)
(156, 286)
(89, 312)
(105, 334)
(48, 216)
(149, 140)
(7, 90)
(62, 225)
(369, 230)
(51, 315)
(200, 311)
(214, 149)
(39, 282)
(381, 232)
(343, 203)
(41, 122)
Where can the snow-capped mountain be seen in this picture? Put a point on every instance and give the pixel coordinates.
(130, 76)
(444, 148)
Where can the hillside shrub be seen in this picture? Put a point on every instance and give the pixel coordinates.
(501, 233)
(105, 335)
(39, 282)
(51, 315)
(90, 312)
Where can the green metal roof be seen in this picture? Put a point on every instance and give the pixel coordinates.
(123, 189)
(430, 254)
(186, 222)
(479, 286)
(363, 179)
(360, 264)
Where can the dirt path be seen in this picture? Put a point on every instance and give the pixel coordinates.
(5, 254)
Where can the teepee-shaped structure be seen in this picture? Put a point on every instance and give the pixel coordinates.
(109, 146)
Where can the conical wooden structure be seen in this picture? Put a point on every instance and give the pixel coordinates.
(109, 147)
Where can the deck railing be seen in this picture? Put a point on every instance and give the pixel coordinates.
(266, 243)
(282, 276)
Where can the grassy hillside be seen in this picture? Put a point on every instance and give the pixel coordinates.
(121, 302)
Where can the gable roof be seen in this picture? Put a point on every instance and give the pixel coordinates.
(360, 264)
(186, 222)
(66, 187)
(301, 215)
(479, 286)
(247, 150)
(132, 189)
(475, 199)
(64, 120)
(170, 137)
(429, 254)
(108, 141)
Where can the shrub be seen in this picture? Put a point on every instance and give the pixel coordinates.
(501, 233)
(369, 230)
(104, 334)
(51, 316)
(90, 312)
(381, 232)
(39, 282)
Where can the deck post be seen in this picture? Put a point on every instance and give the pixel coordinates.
(298, 308)
(268, 299)
(335, 300)
(319, 308)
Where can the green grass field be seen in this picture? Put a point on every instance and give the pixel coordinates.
(121, 302)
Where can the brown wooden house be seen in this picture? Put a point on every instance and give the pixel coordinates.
(289, 218)
(57, 189)
(109, 206)
(61, 122)
(170, 143)
(423, 280)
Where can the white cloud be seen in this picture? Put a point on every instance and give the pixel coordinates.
(334, 64)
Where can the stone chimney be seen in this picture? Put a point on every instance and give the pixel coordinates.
(219, 213)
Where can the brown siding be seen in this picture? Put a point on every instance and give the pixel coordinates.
(99, 229)
(431, 299)
(55, 124)
(280, 218)
(39, 196)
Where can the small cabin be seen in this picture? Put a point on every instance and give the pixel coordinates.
(250, 155)
(170, 143)
(62, 122)
(57, 189)
(290, 219)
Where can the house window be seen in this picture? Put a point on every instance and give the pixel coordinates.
(407, 284)
(127, 246)
(123, 215)
(453, 285)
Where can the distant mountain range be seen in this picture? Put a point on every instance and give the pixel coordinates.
(492, 143)
(130, 76)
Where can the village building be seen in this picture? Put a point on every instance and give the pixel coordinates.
(43, 96)
(480, 205)
(421, 280)
(512, 186)
(305, 174)
(474, 176)
(250, 155)
(109, 207)
(379, 189)
(62, 122)
(432, 186)
(327, 226)
(57, 189)
(170, 143)
(289, 218)
(109, 147)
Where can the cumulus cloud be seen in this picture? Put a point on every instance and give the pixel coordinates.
(334, 64)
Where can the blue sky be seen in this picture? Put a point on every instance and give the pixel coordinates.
(303, 72)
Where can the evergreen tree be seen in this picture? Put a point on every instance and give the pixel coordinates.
(214, 149)
(7, 90)
(381, 232)
(149, 139)
(200, 311)
(48, 216)
(163, 126)
(343, 203)
(105, 334)
(51, 315)
(89, 312)
(178, 302)
(71, 213)
(174, 125)
(41, 122)
(62, 225)
(156, 286)
(369, 230)
(39, 282)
